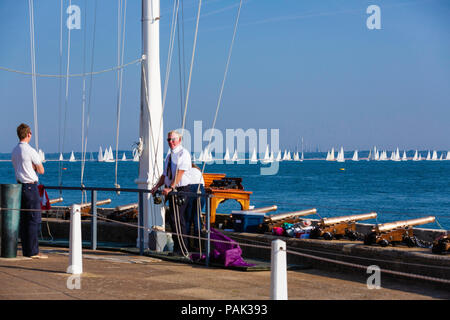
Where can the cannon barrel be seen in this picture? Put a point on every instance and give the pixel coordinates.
(402, 224)
(99, 203)
(355, 217)
(263, 209)
(281, 216)
(53, 201)
(126, 207)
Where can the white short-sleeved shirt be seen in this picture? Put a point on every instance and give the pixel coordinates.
(23, 157)
(195, 176)
(181, 160)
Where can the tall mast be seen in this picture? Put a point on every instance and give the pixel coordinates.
(151, 124)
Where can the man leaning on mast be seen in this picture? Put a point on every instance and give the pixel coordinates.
(27, 165)
(177, 163)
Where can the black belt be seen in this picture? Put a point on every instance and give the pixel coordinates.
(27, 183)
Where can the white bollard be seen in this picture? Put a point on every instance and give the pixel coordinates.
(278, 267)
(75, 248)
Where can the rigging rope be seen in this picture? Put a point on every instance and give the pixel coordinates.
(119, 81)
(71, 75)
(223, 82)
(33, 71)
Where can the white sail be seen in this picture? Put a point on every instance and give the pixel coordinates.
(330, 155)
(124, 158)
(266, 154)
(278, 158)
(448, 155)
(288, 156)
(284, 155)
(110, 154)
(135, 155)
(416, 156)
(404, 157)
(355, 156)
(303, 157)
(61, 158)
(434, 157)
(100, 154)
(428, 156)
(227, 155)
(420, 157)
(296, 157)
(235, 156)
(340, 156)
(72, 157)
(254, 158)
(41, 155)
(395, 156)
(441, 157)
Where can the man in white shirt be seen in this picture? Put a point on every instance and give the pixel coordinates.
(177, 163)
(27, 165)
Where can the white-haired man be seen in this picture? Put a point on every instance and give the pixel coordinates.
(177, 163)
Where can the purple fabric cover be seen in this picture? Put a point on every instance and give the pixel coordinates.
(228, 254)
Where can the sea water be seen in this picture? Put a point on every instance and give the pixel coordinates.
(395, 190)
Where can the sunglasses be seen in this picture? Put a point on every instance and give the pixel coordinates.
(172, 139)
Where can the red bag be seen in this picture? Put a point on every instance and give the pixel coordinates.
(45, 202)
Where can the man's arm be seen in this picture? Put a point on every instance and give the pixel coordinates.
(39, 168)
(159, 184)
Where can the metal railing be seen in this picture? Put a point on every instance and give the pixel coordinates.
(140, 226)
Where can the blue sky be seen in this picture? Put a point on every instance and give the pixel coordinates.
(309, 68)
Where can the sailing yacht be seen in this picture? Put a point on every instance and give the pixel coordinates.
(254, 158)
(296, 157)
(434, 157)
(227, 155)
(340, 156)
(266, 158)
(100, 154)
(448, 155)
(61, 158)
(235, 156)
(278, 158)
(330, 156)
(416, 156)
(124, 158)
(72, 157)
(355, 156)
(404, 158)
(428, 156)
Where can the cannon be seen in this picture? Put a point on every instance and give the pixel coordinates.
(338, 227)
(396, 232)
(441, 245)
(277, 220)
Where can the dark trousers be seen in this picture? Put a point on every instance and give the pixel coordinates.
(194, 209)
(181, 214)
(30, 220)
(193, 217)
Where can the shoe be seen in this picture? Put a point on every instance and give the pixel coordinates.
(39, 256)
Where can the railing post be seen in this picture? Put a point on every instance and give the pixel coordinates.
(278, 276)
(208, 228)
(75, 241)
(94, 220)
(141, 223)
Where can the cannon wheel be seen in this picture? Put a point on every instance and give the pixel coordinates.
(327, 236)
(384, 243)
(410, 242)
